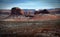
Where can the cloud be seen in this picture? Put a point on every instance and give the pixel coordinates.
(29, 4)
(13, 1)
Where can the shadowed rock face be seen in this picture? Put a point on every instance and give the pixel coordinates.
(42, 12)
(36, 12)
(16, 11)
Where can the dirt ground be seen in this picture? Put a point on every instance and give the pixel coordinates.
(35, 18)
(38, 26)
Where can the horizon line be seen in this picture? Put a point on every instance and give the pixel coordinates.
(31, 8)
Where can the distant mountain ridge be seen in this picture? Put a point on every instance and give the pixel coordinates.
(55, 10)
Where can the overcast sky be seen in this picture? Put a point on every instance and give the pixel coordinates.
(29, 4)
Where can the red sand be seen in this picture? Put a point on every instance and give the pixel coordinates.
(36, 18)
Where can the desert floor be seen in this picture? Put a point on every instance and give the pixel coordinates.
(38, 26)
